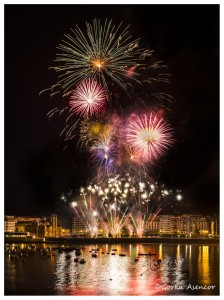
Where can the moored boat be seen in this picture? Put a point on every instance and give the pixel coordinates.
(82, 261)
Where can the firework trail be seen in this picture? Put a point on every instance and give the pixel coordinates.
(111, 203)
(151, 201)
(87, 212)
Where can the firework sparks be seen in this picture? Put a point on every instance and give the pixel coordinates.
(105, 51)
(149, 136)
(121, 202)
(88, 98)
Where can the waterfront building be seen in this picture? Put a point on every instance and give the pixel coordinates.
(9, 224)
(175, 225)
(153, 226)
(165, 224)
(27, 219)
(185, 224)
(78, 227)
(199, 225)
(54, 222)
(35, 226)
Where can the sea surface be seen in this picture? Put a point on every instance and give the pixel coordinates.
(184, 270)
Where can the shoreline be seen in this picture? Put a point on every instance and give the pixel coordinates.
(209, 241)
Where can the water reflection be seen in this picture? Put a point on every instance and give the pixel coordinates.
(109, 274)
(203, 264)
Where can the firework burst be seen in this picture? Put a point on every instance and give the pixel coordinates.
(148, 136)
(103, 52)
(88, 98)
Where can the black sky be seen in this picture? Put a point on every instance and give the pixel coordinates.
(37, 170)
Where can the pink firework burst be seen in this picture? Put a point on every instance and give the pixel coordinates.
(148, 136)
(88, 98)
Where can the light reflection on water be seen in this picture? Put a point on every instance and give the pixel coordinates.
(116, 275)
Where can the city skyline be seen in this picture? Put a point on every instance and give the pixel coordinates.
(190, 224)
(37, 164)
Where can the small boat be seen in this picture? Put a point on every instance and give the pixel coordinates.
(94, 255)
(76, 259)
(122, 254)
(82, 261)
(112, 253)
(147, 253)
(136, 259)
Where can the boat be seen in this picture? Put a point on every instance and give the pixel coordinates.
(112, 253)
(122, 254)
(147, 253)
(94, 255)
(136, 259)
(82, 261)
(76, 259)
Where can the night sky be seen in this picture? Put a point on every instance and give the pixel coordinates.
(38, 170)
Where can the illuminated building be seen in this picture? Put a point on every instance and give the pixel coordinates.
(153, 227)
(78, 228)
(176, 225)
(214, 226)
(185, 224)
(35, 226)
(199, 225)
(165, 224)
(10, 223)
(54, 222)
